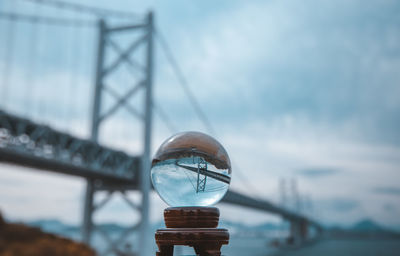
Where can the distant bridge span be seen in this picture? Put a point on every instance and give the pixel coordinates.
(25, 143)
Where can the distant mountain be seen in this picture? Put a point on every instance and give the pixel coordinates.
(58, 227)
(367, 225)
(112, 227)
(231, 225)
(366, 228)
(53, 226)
(268, 226)
(73, 231)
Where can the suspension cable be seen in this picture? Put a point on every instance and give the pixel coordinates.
(30, 72)
(164, 118)
(46, 20)
(183, 82)
(100, 12)
(9, 61)
(73, 67)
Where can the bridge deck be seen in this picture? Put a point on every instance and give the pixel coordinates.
(25, 143)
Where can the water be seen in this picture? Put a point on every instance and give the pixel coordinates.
(189, 181)
(348, 247)
(238, 246)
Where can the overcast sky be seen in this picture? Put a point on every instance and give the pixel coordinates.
(294, 89)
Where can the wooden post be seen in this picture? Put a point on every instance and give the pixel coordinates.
(191, 226)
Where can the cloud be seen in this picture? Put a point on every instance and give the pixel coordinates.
(270, 59)
(395, 191)
(317, 172)
(339, 205)
(390, 208)
(36, 194)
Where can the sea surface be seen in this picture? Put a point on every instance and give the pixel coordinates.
(354, 247)
(259, 247)
(238, 246)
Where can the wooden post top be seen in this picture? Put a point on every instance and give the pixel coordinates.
(191, 217)
(191, 226)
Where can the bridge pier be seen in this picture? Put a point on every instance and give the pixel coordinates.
(92, 206)
(298, 231)
(87, 224)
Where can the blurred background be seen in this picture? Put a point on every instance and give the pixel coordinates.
(304, 96)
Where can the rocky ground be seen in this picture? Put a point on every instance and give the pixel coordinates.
(20, 240)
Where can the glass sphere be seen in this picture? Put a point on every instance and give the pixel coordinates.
(191, 169)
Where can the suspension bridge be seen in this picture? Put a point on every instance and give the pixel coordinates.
(52, 121)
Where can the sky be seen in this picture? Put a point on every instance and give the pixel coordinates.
(304, 90)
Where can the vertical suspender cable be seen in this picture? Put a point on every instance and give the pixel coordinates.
(70, 70)
(164, 118)
(66, 72)
(39, 69)
(31, 68)
(84, 71)
(9, 61)
(40, 106)
(73, 73)
(42, 49)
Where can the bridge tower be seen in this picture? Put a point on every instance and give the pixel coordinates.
(124, 56)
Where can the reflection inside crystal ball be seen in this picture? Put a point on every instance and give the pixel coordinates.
(193, 174)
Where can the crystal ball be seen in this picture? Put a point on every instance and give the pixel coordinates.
(191, 169)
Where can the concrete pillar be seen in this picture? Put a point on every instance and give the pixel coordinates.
(298, 231)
